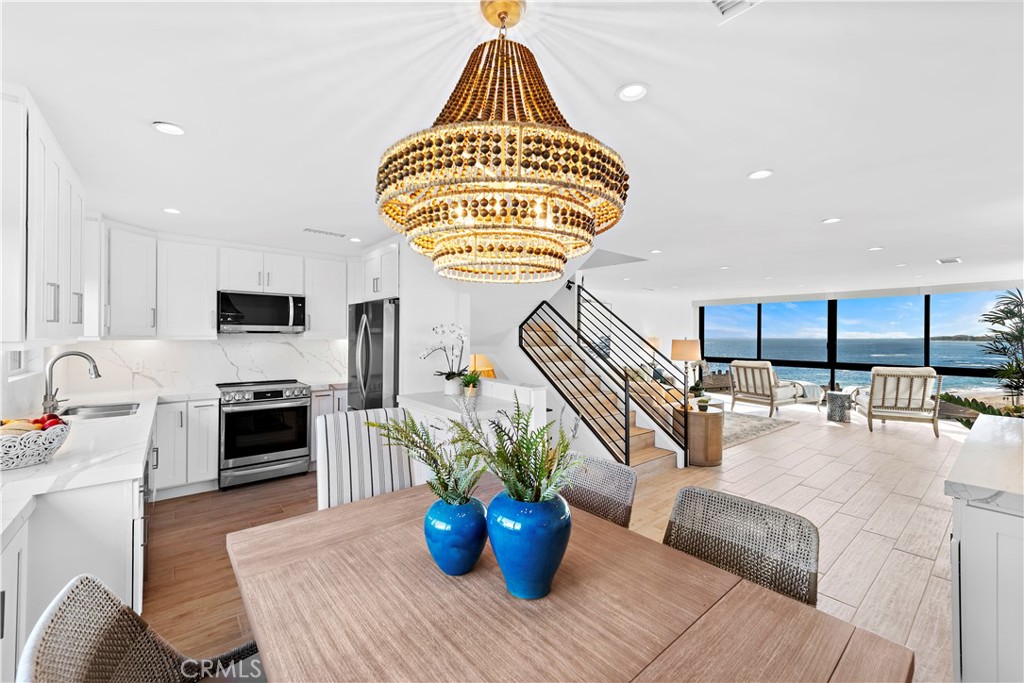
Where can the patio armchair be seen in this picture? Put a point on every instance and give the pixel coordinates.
(754, 381)
(901, 394)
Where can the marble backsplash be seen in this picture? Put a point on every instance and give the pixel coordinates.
(159, 364)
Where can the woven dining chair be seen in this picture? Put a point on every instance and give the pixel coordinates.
(602, 487)
(763, 544)
(87, 635)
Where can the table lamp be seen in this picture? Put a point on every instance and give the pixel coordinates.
(482, 364)
(688, 351)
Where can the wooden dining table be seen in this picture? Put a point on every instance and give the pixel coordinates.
(352, 594)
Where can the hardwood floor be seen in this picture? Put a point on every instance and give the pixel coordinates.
(876, 497)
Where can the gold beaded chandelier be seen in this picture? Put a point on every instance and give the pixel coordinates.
(500, 189)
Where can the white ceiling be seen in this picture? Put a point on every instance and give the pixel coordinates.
(905, 119)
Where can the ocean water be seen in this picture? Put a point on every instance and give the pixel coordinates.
(964, 354)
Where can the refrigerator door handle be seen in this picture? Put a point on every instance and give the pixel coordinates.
(369, 358)
(360, 371)
(389, 366)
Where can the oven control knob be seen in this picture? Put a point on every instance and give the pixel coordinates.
(248, 396)
(305, 392)
(288, 393)
(226, 398)
(237, 396)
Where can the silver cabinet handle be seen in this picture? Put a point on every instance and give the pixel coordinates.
(80, 308)
(55, 303)
(153, 323)
(181, 419)
(156, 457)
(205, 405)
(268, 278)
(308, 319)
(3, 611)
(260, 283)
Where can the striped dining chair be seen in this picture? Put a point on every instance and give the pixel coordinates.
(354, 461)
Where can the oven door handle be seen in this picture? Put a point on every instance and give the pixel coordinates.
(251, 407)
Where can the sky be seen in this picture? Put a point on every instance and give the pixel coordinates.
(896, 317)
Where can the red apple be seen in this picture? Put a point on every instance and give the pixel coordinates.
(38, 420)
(50, 416)
(52, 423)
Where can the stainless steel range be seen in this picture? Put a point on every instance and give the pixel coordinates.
(264, 430)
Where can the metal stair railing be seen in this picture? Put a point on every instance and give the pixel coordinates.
(625, 354)
(601, 401)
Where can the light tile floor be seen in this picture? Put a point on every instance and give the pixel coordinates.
(878, 502)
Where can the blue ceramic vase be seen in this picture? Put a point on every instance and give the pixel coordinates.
(456, 535)
(529, 540)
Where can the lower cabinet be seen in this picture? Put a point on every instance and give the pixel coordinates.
(323, 404)
(13, 593)
(186, 447)
(341, 400)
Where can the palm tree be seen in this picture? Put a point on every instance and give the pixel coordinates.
(1006, 339)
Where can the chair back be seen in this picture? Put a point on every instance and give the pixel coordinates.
(354, 461)
(88, 634)
(752, 377)
(602, 487)
(763, 544)
(904, 389)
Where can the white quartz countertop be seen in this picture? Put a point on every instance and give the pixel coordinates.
(989, 471)
(438, 403)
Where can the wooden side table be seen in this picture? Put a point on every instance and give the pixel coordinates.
(704, 437)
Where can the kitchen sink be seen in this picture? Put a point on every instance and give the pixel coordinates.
(98, 411)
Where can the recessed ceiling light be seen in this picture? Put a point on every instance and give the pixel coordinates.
(655, 251)
(631, 92)
(875, 248)
(675, 286)
(168, 128)
(625, 278)
(724, 267)
(760, 175)
(947, 261)
(172, 210)
(354, 239)
(828, 221)
(769, 277)
(901, 265)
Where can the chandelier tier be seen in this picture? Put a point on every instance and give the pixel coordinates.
(501, 188)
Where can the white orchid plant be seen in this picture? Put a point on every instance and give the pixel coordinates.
(452, 343)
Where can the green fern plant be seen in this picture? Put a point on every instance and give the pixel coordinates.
(456, 469)
(533, 464)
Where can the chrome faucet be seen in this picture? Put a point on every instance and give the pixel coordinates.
(50, 402)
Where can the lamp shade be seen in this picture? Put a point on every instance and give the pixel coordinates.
(686, 349)
(482, 364)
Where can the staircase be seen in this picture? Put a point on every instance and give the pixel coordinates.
(602, 398)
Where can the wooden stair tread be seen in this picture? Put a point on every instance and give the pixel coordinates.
(648, 454)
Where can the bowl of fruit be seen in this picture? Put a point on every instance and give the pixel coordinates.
(26, 442)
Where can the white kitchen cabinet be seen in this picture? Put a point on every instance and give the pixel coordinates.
(283, 273)
(14, 179)
(380, 273)
(169, 461)
(186, 290)
(203, 440)
(131, 284)
(987, 552)
(322, 404)
(241, 270)
(245, 270)
(326, 300)
(13, 601)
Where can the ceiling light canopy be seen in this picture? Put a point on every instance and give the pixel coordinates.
(168, 128)
(655, 251)
(829, 221)
(875, 248)
(631, 92)
(760, 175)
(501, 189)
(172, 210)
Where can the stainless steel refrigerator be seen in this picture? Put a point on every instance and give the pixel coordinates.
(373, 354)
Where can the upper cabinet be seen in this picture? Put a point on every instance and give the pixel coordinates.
(245, 270)
(186, 291)
(380, 273)
(43, 213)
(326, 300)
(131, 286)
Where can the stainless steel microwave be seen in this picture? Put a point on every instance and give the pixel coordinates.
(246, 312)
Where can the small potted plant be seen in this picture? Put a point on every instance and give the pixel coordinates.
(470, 382)
(697, 389)
(452, 344)
(528, 523)
(702, 404)
(455, 525)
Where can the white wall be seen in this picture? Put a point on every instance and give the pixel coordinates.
(159, 364)
(665, 315)
(427, 300)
